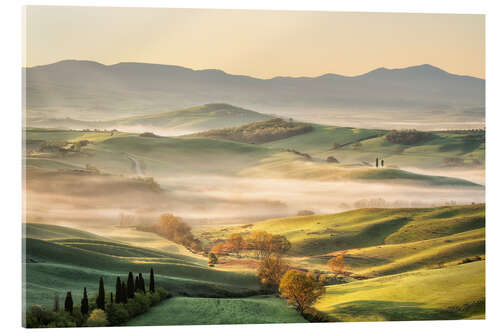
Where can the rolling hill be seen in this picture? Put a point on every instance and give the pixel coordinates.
(199, 118)
(258, 132)
(76, 259)
(321, 234)
(110, 151)
(456, 292)
(419, 95)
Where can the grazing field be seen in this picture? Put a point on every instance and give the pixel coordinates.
(456, 292)
(216, 311)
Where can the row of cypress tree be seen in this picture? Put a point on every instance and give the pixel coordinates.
(122, 293)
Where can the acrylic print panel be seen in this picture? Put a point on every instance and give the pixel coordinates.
(198, 166)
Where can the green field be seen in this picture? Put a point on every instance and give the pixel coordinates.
(470, 148)
(321, 234)
(216, 311)
(456, 292)
(166, 156)
(289, 165)
(58, 262)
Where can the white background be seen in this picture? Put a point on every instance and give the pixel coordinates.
(10, 157)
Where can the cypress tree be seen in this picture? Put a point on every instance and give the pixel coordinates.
(142, 285)
(151, 281)
(118, 290)
(130, 285)
(111, 298)
(85, 303)
(100, 301)
(124, 293)
(137, 284)
(68, 303)
(56, 303)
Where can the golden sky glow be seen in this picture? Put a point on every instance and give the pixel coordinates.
(257, 43)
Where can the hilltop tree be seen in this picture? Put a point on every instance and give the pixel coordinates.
(151, 281)
(130, 285)
(84, 307)
(118, 290)
(68, 303)
(271, 270)
(100, 301)
(301, 289)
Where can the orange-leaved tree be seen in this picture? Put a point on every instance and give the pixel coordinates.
(271, 270)
(219, 249)
(301, 289)
(260, 242)
(235, 243)
(336, 264)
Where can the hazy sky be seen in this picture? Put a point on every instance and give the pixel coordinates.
(257, 43)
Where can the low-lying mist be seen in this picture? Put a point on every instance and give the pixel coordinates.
(85, 200)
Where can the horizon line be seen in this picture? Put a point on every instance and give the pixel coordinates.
(255, 77)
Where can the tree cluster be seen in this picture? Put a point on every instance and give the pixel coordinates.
(176, 230)
(130, 299)
(259, 132)
(261, 243)
(407, 137)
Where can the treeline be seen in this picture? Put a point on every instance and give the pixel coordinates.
(174, 229)
(260, 243)
(61, 146)
(407, 137)
(103, 309)
(259, 132)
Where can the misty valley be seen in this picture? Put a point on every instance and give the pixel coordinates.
(293, 200)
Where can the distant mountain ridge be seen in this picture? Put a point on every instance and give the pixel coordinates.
(93, 91)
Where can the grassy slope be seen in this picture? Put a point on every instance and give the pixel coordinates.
(208, 116)
(427, 154)
(161, 155)
(455, 292)
(171, 155)
(48, 232)
(73, 263)
(198, 118)
(321, 139)
(204, 311)
(402, 257)
(289, 165)
(320, 234)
